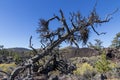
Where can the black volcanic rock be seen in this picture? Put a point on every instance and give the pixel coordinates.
(71, 52)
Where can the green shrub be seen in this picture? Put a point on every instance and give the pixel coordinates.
(103, 65)
(82, 68)
(16, 58)
(93, 59)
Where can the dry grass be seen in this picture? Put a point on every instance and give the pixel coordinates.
(6, 67)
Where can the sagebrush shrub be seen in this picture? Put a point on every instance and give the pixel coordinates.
(82, 68)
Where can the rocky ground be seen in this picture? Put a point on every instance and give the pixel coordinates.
(85, 62)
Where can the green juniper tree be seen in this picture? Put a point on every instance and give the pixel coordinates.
(102, 65)
(97, 45)
(116, 41)
(1, 46)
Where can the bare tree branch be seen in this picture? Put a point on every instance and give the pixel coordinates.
(75, 43)
(30, 45)
(64, 21)
(97, 32)
(72, 17)
(108, 16)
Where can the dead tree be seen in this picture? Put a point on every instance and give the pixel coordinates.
(76, 32)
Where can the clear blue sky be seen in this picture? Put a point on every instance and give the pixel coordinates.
(19, 18)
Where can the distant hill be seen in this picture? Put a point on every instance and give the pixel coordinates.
(68, 52)
(18, 49)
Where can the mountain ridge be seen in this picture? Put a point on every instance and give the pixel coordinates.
(18, 49)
